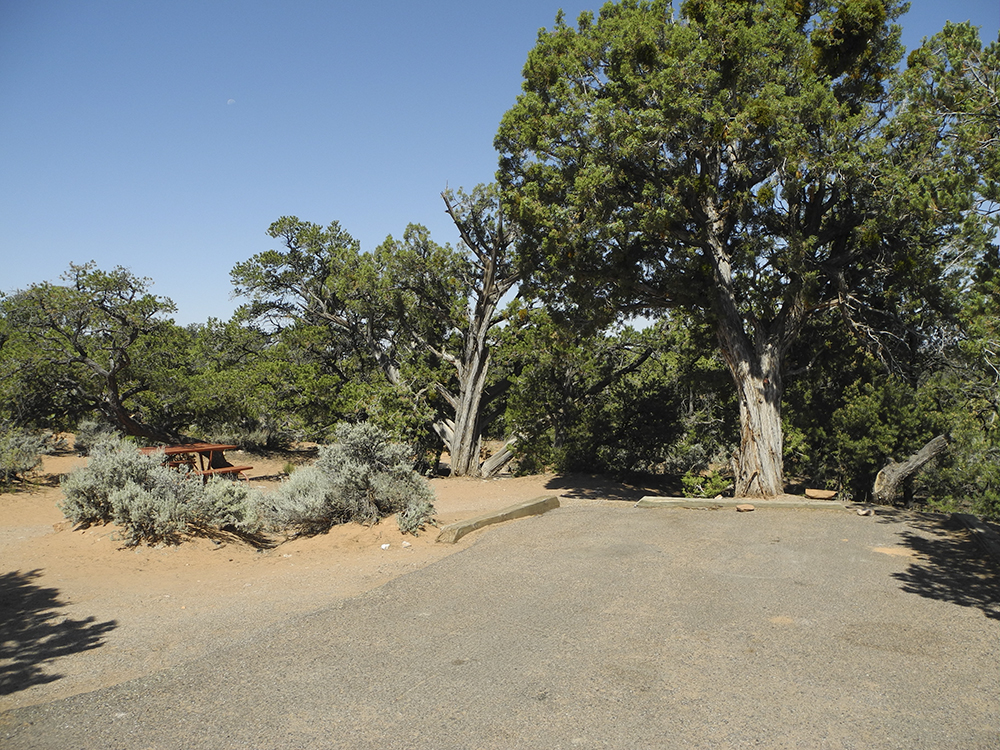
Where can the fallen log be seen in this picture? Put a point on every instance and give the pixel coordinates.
(896, 473)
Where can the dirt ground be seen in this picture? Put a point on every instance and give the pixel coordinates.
(78, 611)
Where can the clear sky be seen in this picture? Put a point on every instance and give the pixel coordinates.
(167, 136)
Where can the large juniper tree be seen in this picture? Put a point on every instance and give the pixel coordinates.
(744, 160)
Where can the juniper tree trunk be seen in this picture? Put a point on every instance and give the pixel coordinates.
(113, 407)
(757, 465)
(754, 359)
(479, 221)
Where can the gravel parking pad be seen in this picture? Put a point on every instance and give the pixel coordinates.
(596, 626)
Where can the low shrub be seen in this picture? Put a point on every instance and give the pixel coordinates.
(306, 503)
(150, 502)
(89, 434)
(20, 452)
(228, 504)
(705, 483)
(114, 464)
(159, 510)
(362, 478)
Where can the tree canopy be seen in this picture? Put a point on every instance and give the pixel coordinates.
(749, 163)
(93, 343)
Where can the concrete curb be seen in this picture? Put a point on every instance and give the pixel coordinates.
(988, 539)
(455, 531)
(653, 501)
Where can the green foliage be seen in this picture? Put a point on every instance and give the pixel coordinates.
(752, 164)
(20, 452)
(631, 401)
(408, 328)
(251, 439)
(362, 478)
(705, 483)
(967, 477)
(98, 342)
(876, 422)
(261, 390)
(953, 85)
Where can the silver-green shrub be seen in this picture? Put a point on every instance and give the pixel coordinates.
(151, 502)
(158, 510)
(89, 434)
(362, 478)
(20, 452)
(306, 502)
(114, 463)
(224, 503)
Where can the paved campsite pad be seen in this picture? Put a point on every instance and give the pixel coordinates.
(596, 626)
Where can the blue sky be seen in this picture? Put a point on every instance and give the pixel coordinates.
(167, 136)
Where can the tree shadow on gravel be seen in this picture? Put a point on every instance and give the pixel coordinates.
(629, 488)
(33, 633)
(951, 566)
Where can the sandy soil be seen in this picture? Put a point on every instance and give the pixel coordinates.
(78, 611)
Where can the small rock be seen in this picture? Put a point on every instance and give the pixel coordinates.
(866, 512)
(407, 544)
(744, 508)
(821, 494)
(385, 546)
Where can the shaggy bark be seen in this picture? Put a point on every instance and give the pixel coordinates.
(755, 364)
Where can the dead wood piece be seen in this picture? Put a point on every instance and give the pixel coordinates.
(895, 473)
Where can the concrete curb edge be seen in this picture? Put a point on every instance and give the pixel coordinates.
(454, 531)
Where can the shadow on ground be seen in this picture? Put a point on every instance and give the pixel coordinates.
(630, 488)
(950, 565)
(33, 633)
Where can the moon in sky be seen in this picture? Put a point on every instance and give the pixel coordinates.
(231, 101)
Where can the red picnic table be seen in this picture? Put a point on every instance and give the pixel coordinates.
(204, 459)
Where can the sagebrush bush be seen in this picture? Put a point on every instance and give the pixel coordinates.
(20, 452)
(151, 502)
(306, 502)
(114, 463)
(159, 510)
(362, 478)
(228, 504)
(90, 433)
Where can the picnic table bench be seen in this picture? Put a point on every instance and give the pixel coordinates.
(203, 459)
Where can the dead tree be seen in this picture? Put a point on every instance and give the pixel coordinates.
(896, 473)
